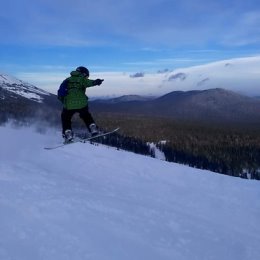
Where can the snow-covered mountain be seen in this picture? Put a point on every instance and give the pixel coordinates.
(21, 100)
(21, 88)
(94, 202)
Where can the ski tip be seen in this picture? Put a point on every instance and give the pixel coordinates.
(114, 130)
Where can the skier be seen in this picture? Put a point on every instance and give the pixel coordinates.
(72, 95)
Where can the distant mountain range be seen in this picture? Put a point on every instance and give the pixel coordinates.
(205, 105)
(19, 99)
(125, 98)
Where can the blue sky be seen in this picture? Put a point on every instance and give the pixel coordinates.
(42, 40)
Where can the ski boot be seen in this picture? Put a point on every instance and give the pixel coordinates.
(93, 129)
(68, 136)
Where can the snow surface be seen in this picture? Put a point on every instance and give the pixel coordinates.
(94, 202)
(157, 152)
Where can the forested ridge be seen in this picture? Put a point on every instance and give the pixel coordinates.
(229, 149)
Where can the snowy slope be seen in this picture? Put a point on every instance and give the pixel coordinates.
(21, 88)
(94, 202)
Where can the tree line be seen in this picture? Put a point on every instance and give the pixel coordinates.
(228, 149)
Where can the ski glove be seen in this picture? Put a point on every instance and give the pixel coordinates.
(97, 82)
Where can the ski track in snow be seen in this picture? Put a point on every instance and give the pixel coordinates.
(93, 202)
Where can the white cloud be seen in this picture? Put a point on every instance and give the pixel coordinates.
(240, 75)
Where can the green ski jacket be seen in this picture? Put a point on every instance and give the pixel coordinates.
(76, 88)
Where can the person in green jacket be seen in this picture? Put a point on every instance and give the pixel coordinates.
(72, 95)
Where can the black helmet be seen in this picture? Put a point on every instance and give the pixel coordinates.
(83, 70)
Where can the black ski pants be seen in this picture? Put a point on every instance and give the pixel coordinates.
(66, 116)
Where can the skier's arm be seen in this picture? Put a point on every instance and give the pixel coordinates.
(93, 82)
(97, 82)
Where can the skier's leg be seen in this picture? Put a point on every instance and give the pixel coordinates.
(86, 116)
(66, 116)
(88, 119)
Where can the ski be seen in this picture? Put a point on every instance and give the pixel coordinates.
(82, 140)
